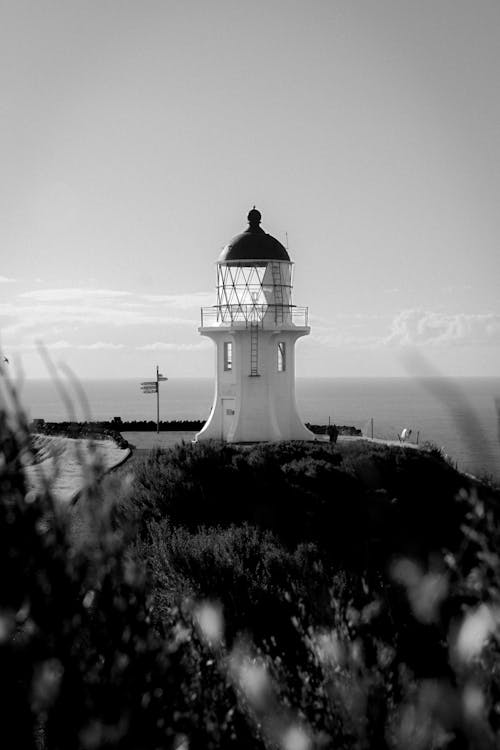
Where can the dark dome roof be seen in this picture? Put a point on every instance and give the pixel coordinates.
(253, 244)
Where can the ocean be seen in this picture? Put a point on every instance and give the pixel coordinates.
(458, 415)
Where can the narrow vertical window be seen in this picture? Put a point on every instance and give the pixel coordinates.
(228, 355)
(281, 356)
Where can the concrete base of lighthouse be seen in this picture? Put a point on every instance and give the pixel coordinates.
(254, 407)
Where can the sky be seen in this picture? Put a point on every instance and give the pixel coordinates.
(135, 135)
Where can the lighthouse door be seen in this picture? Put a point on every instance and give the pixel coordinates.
(228, 411)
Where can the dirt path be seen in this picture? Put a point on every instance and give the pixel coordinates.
(142, 443)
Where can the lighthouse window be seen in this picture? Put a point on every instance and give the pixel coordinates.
(281, 356)
(228, 355)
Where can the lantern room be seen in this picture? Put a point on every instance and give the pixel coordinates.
(254, 281)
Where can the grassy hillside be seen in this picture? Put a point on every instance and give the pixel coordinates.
(294, 596)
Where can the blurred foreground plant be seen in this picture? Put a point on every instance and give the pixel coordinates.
(81, 666)
(162, 612)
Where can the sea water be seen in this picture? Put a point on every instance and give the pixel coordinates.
(458, 415)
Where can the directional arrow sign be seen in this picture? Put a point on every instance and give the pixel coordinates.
(149, 382)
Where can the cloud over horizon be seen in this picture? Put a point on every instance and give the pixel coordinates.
(408, 328)
(39, 313)
(428, 328)
(119, 327)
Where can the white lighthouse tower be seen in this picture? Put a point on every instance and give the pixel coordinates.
(254, 327)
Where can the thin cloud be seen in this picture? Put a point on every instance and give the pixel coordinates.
(181, 301)
(63, 344)
(345, 317)
(32, 346)
(163, 346)
(36, 312)
(6, 280)
(36, 318)
(338, 339)
(349, 330)
(127, 298)
(454, 289)
(72, 294)
(101, 345)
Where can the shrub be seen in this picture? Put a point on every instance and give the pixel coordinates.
(82, 665)
(361, 506)
(250, 598)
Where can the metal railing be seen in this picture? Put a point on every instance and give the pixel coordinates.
(265, 316)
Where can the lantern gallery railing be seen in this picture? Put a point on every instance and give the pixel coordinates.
(245, 315)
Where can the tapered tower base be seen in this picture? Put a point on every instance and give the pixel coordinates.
(255, 407)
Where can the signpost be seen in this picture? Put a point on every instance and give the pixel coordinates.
(153, 386)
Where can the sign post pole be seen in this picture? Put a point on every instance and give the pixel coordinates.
(153, 386)
(157, 401)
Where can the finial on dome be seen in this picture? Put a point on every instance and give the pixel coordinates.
(254, 217)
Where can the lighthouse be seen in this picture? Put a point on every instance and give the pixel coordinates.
(254, 327)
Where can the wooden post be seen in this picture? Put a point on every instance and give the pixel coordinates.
(372, 426)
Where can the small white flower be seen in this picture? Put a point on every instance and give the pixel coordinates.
(427, 595)
(328, 648)
(295, 738)
(475, 630)
(473, 701)
(254, 680)
(88, 599)
(406, 572)
(209, 620)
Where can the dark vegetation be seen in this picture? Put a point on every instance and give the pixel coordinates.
(113, 426)
(172, 425)
(290, 596)
(343, 429)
